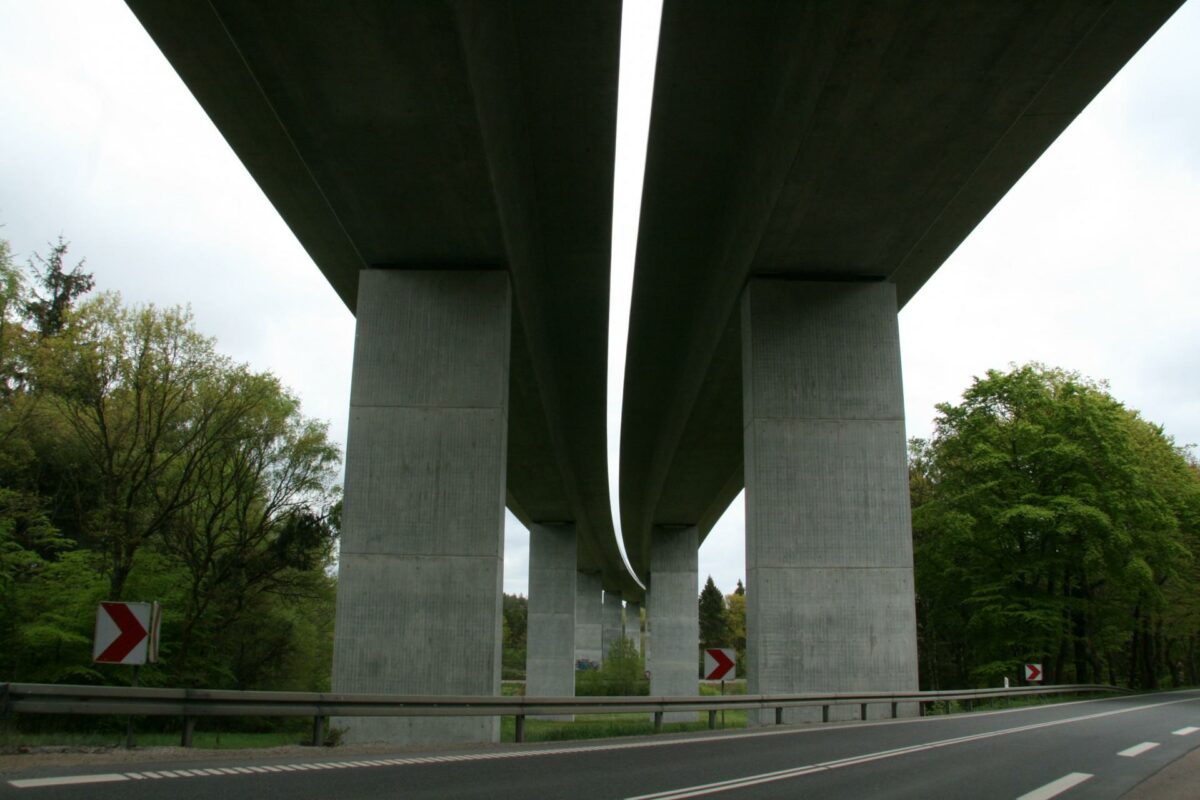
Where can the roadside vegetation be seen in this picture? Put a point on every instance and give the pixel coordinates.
(138, 463)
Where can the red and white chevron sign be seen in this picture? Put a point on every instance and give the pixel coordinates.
(126, 633)
(1033, 673)
(720, 664)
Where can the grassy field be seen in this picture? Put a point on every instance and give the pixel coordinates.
(1001, 703)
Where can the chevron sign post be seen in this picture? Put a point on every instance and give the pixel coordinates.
(1033, 673)
(126, 633)
(720, 664)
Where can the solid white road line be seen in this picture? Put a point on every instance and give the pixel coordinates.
(31, 783)
(1055, 788)
(770, 777)
(1137, 749)
(1185, 731)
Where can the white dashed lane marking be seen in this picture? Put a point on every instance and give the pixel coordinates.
(1137, 749)
(1055, 788)
(1185, 731)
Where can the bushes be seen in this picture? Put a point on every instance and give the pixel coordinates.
(622, 674)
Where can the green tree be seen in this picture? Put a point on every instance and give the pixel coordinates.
(714, 628)
(1049, 523)
(514, 645)
(135, 460)
(735, 618)
(257, 518)
(621, 675)
(49, 308)
(140, 402)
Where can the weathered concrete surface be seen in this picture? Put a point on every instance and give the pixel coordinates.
(829, 584)
(550, 657)
(612, 629)
(674, 617)
(633, 625)
(588, 620)
(421, 564)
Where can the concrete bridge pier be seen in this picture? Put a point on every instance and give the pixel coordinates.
(633, 625)
(829, 582)
(611, 630)
(674, 616)
(550, 658)
(588, 625)
(421, 564)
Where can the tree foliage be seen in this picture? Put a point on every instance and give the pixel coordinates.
(1052, 524)
(714, 627)
(47, 309)
(138, 463)
(515, 636)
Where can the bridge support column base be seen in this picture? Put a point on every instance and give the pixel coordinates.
(611, 630)
(550, 658)
(589, 594)
(829, 590)
(633, 625)
(674, 617)
(421, 565)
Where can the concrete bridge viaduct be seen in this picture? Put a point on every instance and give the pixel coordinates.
(448, 166)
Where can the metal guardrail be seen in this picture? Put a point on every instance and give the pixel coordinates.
(189, 704)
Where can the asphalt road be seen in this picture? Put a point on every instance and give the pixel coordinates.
(1091, 749)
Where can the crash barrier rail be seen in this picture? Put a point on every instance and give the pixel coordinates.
(40, 698)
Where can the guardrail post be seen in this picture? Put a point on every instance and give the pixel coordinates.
(970, 705)
(895, 709)
(712, 719)
(318, 730)
(519, 735)
(189, 727)
(779, 715)
(920, 709)
(863, 712)
(658, 716)
(824, 713)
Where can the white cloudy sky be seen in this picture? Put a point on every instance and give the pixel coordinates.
(1092, 262)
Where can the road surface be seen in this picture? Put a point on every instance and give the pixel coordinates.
(1089, 749)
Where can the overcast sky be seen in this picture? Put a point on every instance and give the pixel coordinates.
(1091, 263)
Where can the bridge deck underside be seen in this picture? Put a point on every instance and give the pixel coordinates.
(821, 141)
(444, 135)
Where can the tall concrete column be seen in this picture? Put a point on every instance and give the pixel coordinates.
(829, 581)
(550, 658)
(421, 562)
(633, 625)
(588, 636)
(673, 611)
(611, 630)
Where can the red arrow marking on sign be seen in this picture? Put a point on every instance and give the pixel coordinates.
(132, 633)
(723, 665)
(1034, 672)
